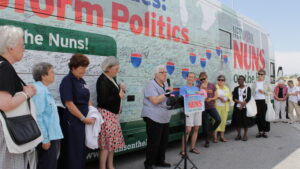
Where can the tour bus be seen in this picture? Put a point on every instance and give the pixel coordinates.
(185, 35)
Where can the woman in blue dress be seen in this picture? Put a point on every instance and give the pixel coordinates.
(76, 98)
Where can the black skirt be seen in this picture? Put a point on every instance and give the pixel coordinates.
(240, 119)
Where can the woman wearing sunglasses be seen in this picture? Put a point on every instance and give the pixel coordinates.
(222, 106)
(210, 108)
(261, 91)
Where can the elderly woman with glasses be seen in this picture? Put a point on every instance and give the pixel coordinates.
(157, 118)
(210, 107)
(261, 92)
(47, 116)
(222, 106)
(12, 91)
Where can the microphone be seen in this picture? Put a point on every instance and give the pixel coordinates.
(168, 92)
(169, 83)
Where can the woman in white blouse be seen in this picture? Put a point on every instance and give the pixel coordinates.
(261, 92)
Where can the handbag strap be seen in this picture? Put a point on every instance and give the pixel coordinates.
(24, 84)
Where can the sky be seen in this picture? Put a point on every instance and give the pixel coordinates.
(281, 19)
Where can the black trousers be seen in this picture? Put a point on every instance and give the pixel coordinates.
(157, 141)
(213, 113)
(47, 159)
(262, 124)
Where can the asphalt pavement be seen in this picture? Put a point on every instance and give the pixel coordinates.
(281, 150)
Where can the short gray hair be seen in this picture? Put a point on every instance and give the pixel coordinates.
(158, 68)
(41, 69)
(109, 62)
(10, 36)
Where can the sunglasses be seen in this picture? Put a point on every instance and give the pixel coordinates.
(261, 74)
(203, 79)
(163, 72)
(223, 80)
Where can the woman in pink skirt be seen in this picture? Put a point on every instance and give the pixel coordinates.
(109, 95)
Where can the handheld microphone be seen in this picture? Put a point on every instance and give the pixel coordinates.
(169, 83)
(168, 92)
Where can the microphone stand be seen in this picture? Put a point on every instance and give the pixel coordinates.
(185, 158)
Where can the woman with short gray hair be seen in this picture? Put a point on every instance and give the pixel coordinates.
(47, 116)
(108, 63)
(12, 92)
(109, 95)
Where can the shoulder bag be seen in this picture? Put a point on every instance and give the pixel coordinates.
(251, 107)
(20, 128)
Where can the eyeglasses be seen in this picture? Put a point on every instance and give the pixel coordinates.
(223, 80)
(202, 79)
(163, 72)
(260, 74)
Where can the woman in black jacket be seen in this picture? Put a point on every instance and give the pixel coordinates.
(109, 95)
(241, 96)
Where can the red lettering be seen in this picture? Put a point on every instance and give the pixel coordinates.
(161, 24)
(153, 25)
(139, 29)
(247, 62)
(4, 4)
(184, 33)
(43, 13)
(262, 59)
(147, 22)
(19, 6)
(116, 9)
(238, 57)
(169, 28)
(61, 8)
(174, 33)
(191, 105)
(254, 59)
(89, 8)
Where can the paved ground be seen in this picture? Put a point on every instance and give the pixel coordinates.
(279, 151)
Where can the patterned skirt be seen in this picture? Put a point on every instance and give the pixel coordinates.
(110, 136)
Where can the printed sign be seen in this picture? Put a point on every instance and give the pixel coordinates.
(193, 103)
(47, 38)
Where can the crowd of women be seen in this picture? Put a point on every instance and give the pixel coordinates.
(217, 105)
(67, 133)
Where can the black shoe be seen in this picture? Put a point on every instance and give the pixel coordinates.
(259, 135)
(163, 164)
(206, 144)
(148, 166)
(264, 135)
(238, 137)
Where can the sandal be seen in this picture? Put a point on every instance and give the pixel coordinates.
(238, 138)
(182, 153)
(245, 138)
(223, 140)
(194, 150)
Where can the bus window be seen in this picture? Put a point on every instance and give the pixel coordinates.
(272, 73)
(225, 39)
